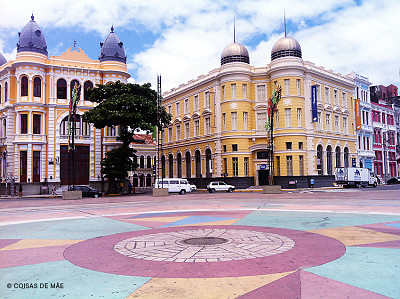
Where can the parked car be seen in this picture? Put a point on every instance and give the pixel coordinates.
(393, 181)
(213, 187)
(173, 185)
(88, 191)
(193, 187)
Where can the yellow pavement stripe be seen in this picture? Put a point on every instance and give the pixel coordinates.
(204, 288)
(221, 222)
(352, 235)
(36, 243)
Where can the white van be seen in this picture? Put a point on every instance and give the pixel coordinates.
(174, 185)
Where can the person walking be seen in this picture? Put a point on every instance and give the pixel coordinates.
(312, 181)
(130, 187)
(53, 191)
(20, 190)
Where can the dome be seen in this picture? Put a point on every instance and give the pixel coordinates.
(112, 49)
(235, 53)
(31, 39)
(3, 60)
(286, 46)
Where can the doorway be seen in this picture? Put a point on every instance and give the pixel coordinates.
(263, 177)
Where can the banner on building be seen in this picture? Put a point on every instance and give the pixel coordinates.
(358, 114)
(314, 103)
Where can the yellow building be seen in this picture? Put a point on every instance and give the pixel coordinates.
(35, 91)
(218, 125)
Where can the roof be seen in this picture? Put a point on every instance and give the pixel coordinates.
(112, 49)
(235, 53)
(3, 60)
(31, 39)
(286, 46)
(143, 139)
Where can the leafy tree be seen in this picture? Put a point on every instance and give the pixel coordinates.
(129, 106)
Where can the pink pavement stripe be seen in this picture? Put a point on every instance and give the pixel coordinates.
(389, 244)
(284, 288)
(31, 256)
(315, 286)
(39, 216)
(6, 242)
(383, 228)
(310, 250)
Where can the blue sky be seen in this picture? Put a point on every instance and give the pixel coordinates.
(183, 39)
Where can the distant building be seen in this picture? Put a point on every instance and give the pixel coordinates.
(35, 91)
(218, 129)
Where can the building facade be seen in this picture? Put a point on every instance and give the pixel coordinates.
(363, 121)
(35, 92)
(218, 128)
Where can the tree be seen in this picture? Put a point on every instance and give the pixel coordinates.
(129, 106)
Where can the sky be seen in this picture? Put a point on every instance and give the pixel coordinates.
(183, 39)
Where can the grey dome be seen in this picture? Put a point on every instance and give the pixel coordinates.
(112, 49)
(286, 46)
(3, 60)
(235, 53)
(31, 39)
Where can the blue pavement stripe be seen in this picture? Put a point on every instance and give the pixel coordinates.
(77, 229)
(77, 282)
(310, 220)
(373, 269)
(157, 214)
(196, 220)
(397, 225)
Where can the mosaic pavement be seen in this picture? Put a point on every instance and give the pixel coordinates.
(238, 252)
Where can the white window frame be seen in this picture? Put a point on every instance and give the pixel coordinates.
(170, 136)
(233, 91)
(196, 127)
(196, 102)
(244, 91)
(178, 132)
(235, 166)
(287, 87)
(187, 108)
(234, 121)
(178, 109)
(224, 121)
(319, 123)
(261, 91)
(276, 124)
(207, 101)
(327, 95)
(187, 130)
(328, 123)
(344, 99)
(345, 124)
(245, 120)
(299, 124)
(288, 117)
(207, 125)
(298, 86)
(261, 121)
(246, 166)
(336, 97)
(337, 123)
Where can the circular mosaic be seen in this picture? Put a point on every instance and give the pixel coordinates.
(204, 245)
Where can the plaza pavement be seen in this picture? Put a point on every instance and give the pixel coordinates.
(299, 244)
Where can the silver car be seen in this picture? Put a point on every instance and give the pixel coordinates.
(213, 187)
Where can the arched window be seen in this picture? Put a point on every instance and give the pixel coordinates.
(37, 87)
(198, 163)
(135, 161)
(337, 157)
(148, 180)
(179, 164)
(346, 157)
(5, 91)
(163, 166)
(135, 180)
(86, 86)
(329, 160)
(24, 86)
(208, 163)
(148, 162)
(188, 165)
(171, 166)
(142, 161)
(0, 93)
(320, 160)
(82, 127)
(73, 83)
(61, 89)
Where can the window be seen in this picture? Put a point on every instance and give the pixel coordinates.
(244, 91)
(24, 123)
(235, 166)
(345, 124)
(186, 106)
(207, 128)
(261, 121)
(225, 166)
(207, 99)
(327, 100)
(178, 109)
(359, 142)
(344, 99)
(187, 130)
(319, 124)
(367, 143)
(178, 132)
(223, 93)
(300, 145)
(276, 124)
(246, 166)
(383, 118)
(196, 128)
(163, 136)
(196, 103)
(299, 117)
(328, 121)
(223, 121)
(61, 89)
(73, 83)
(111, 131)
(289, 165)
(5, 91)
(288, 117)
(37, 87)
(336, 97)
(36, 166)
(169, 109)
(36, 123)
(261, 93)
(278, 166)
(23, 165)
(141, 161)
(170, 135)
(24, 86)
(319, 93)
(301, 165)
(234, 120)
(224, 148)
(337, 123)
(245, 120)
(234, 147)
(0, 93)
(233, 91)
(4, 130)
(287, 87)
(298, 86)
(86, 86)
(288, 145)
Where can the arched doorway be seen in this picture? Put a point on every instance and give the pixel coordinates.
(188, 162)
(163, 166)
(198, 163)
(135, 180)
(320, 160)
(346, 157)
(141, 180)
(337, 157)
(148, 180)
(208, 163)
(179, 164)
(329, 160)
(171, 165)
